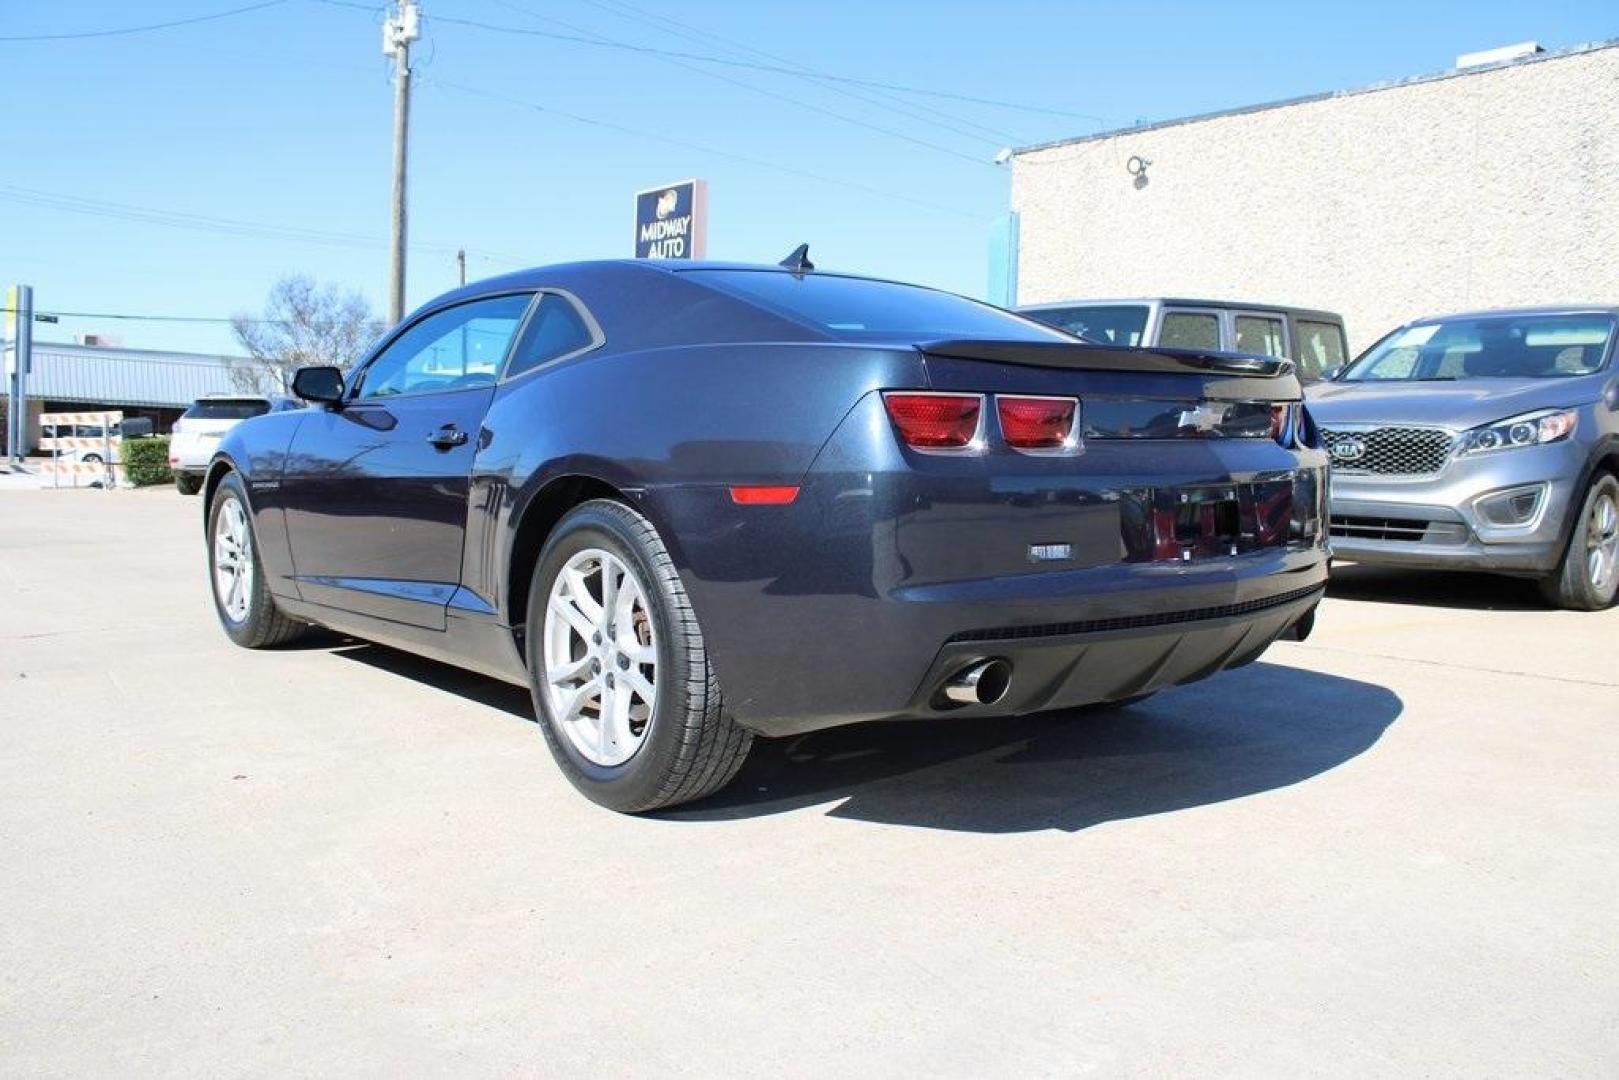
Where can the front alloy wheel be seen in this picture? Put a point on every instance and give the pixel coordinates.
(233, 559)
(1602, 542)
(246, 609)
(1588, 577)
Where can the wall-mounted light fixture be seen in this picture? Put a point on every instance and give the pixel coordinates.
(1137, 167)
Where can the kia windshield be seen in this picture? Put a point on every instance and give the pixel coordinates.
(1526, 346)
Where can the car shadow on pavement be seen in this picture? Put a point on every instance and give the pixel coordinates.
(1256, 729)
(482, 689)
(1434, 588)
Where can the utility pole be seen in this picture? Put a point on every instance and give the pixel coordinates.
(461, 264)
(19, 359)
(402, 28)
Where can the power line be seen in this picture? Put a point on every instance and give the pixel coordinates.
(891, 133)
(926, 114)
(672, 141)
(125, 317)
(776, 68)
(226, 226)
(118, 32)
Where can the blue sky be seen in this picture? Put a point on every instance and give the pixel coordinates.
(282, 116)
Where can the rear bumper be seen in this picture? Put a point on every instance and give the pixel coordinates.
(190, 453)
(1064, 666)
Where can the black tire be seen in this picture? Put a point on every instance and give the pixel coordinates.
(91, 459)
(690, 748)
(186, 484)
(1571, 586)
(263, 625)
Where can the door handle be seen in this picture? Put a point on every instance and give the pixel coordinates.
(448, 436)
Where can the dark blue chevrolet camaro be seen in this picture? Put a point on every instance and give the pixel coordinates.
(691, 504)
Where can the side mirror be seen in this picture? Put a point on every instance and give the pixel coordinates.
(1330, 373)
(321, 384)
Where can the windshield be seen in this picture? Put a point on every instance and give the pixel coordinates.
(1488, 347)
(1111, 324)
(859, 308)
(226, 410)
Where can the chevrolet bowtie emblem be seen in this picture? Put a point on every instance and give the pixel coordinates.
(1205, 418)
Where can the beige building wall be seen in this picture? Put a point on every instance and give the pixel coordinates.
(1486, 188)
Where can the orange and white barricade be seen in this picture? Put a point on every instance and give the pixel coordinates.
(69, 451)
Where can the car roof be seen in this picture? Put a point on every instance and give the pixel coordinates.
(1549, 309)
(539, 277)
(1182, 301)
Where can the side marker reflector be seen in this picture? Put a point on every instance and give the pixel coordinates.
(763, 494)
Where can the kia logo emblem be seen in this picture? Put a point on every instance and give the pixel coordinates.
(1348, 450)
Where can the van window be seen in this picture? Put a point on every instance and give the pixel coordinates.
(1190, 330)
(1260, 334)
(1321, 347)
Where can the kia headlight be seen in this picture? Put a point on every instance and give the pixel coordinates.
(1530, 429)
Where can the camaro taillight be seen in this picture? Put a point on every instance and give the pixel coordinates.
(1038, 423)
(931, 421)
(1280, 415)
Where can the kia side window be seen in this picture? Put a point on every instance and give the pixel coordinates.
(1190, 330)
(456, 349)
(1261, 335)
(556, 330)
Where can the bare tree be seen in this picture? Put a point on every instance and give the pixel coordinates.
(303, 323)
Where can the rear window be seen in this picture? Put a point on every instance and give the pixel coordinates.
(858, 308)
(226, 409)
(1111, 324)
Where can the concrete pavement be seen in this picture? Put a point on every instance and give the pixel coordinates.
(1389, 850)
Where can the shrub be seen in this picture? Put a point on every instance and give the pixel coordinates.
(146, 461)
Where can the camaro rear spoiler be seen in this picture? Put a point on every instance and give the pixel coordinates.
(1085, 356)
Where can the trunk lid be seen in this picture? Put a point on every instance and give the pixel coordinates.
(1125, 393)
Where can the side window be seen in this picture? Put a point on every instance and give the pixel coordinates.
(1260, 334)
(1190, 330)
(556, 330)
(454, 349)
(1321, 347)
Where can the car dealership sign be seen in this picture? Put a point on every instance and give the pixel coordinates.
(671, 222)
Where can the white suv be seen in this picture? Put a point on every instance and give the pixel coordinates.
(196, 434)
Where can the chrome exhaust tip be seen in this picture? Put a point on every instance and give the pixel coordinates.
(983, 682)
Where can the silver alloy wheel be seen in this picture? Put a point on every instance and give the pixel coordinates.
(601, 657)
(233, 559)
(1602, 543)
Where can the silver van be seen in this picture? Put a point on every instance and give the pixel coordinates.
(1314, 340)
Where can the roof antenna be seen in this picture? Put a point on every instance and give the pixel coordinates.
(798, 262)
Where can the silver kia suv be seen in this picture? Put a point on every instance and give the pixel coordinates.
(1484, 441)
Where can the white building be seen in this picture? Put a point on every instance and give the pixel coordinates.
(1490, 185)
